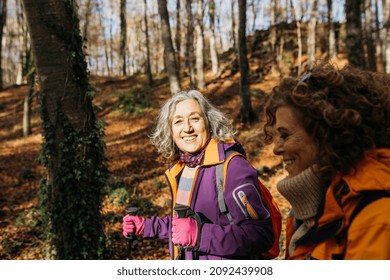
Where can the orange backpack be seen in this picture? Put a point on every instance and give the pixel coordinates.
(274, 211)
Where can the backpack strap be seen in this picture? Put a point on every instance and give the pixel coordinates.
(220, 180)
(368, 197)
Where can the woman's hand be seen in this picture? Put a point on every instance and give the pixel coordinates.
(184, 231)
(133, 224)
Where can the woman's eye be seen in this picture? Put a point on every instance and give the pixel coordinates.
(195, 119)
(177, 122)
(283, 135)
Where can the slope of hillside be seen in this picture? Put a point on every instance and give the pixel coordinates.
(136, 169)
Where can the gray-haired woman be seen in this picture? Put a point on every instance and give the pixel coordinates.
(192, 131)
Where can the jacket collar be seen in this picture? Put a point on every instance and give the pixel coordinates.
(215, 151)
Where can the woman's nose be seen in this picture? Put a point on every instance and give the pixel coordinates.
(278, 148)
(187, 126)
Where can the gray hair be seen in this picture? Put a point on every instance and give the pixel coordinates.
(220, 126)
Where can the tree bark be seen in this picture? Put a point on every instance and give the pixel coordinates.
(199, 47)
(123, 36)
(354, 42)
(73, 150)
(213, 48)
(311, 36)
(246, 111)
(3, 20)
(169, 52)
(386, 34)
(148, 69)
(369, 35)
(27, 104)
(299, 38)
(331, 31)
(379, 39)
(233, 25)
(190, 44)
(178, 35)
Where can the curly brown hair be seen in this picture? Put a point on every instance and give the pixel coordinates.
(346, 112)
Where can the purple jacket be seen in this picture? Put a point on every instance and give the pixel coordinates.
(245, 238)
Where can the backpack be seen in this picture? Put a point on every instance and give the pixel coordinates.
(335, 228)
(274, 211)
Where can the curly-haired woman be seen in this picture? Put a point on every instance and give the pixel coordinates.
(332, 129)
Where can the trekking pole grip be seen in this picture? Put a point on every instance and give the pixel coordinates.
(181, 211)
(131, 237)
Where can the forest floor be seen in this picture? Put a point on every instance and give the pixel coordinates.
(136, 170)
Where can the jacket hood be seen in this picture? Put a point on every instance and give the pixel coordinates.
(372, 173)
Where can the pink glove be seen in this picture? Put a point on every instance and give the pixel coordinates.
(184, 231)
(133, 223)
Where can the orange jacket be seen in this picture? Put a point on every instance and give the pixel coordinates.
(368, 236)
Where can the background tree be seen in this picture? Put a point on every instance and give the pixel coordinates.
(200, 83)
(369, 33)
(3, 20)
(213, 48)
(73, 149)
(331, 32)
(354, 40)
(299, 36)
(386, 34)
(178, 34)
(148, 70)
(190, 43)
(311, 34)
(246, 111)
(123, 37)
(169, 52)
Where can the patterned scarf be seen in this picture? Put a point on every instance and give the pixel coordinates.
(192, 160)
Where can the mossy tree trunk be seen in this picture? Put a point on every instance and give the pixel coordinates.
(73, 150)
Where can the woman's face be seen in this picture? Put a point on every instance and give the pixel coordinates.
(293, 143)
(189, 131)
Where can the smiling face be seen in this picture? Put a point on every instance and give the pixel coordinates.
(189, 131)
(293, 143)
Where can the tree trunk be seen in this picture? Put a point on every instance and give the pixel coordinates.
(354, 42)
(386, 33)
(178, 35)
(233, 26)
(27, 104)
(25, 50)
(106, 46)
(299, 38)
(3, 20)
(123, 36)
(213, 48)
(379, 44)
(169, 52)
(246, 111)
(369, 35)
(190, 44)
(87, 16)
(73, 150)
(148, 69)
(199, 47)
(272, 35)
(332, 34)
(311, 36)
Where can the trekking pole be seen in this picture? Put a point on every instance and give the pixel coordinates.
(131, 237)
(181, 211)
